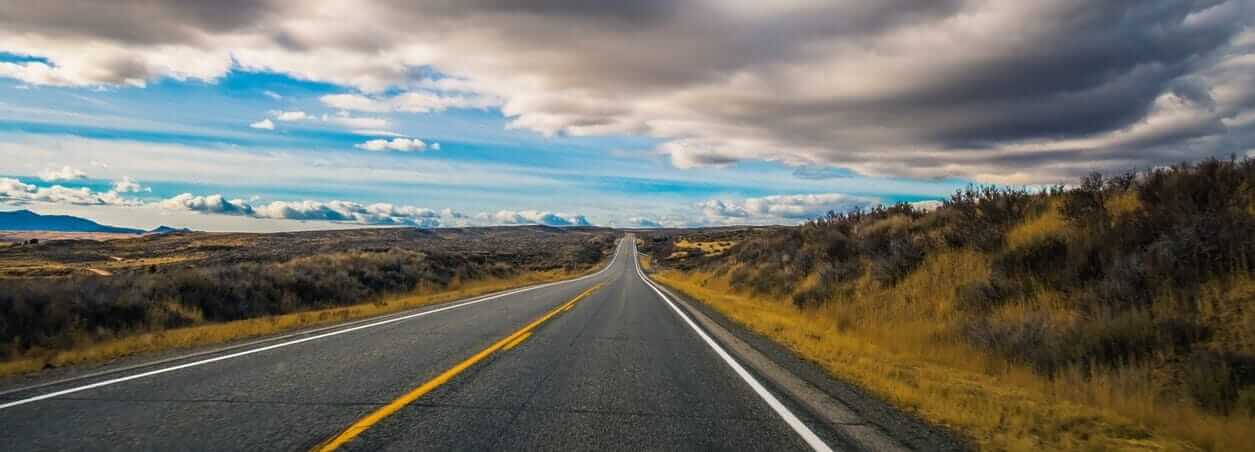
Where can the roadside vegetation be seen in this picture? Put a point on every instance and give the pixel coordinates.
(1115, 314)
(55, 321)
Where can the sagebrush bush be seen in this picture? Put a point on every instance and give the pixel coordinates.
(1123, 260)
(59, 313)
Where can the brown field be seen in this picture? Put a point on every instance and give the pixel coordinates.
(219, 333)
(23, 236)
(77, 301)
(68, 254)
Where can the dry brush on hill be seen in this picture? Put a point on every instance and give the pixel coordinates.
(1130, 297)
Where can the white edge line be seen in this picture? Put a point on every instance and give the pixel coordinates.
(789, 418)
(297, 341)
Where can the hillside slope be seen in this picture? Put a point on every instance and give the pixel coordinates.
(1116, 314)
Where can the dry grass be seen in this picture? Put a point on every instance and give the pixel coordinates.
(893, 225)
(712, 248)
(900, 342)
(1049, 223)
(1123, 204)
(218, 333)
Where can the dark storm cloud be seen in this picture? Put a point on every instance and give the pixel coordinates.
(135, 22)
(989, 89)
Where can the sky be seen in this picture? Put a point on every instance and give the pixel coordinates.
(277, 115)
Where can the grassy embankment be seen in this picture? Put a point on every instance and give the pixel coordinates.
(1115, 316)
(203, 333)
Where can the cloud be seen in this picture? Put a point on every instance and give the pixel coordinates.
(361, 125)
(779, 208)
(396, 144)
(379, 133)
(344, 119)
(16, 192)
(820, 173)
(64, 173)
(642, 222)
(272, 95)
(309, 210)
(999, 91)
(534, 217)
(693, 154)
(411, 102)
(354, 102)
(265, 124)
(128, 185)
(229, 165)
(344, 211)
(215, 204)
(291, 116)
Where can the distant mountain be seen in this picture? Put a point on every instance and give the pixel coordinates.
(25, 220)
(163, 229)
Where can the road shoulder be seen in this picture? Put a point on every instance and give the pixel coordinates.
(857, 415)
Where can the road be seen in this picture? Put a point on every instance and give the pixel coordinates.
(620, 368)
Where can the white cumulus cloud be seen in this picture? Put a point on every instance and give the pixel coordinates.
(311, 210)
(215, 204)
(347, 120)
(61, 174)
(291, 116)
(16, 192)
(779, 208)
(128, 185)
(396, 144)
(265, 124)
(642, 222)
(534, 217)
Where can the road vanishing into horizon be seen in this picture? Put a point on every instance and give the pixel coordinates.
(604, 362)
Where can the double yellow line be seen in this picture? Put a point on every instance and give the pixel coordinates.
(506, 343)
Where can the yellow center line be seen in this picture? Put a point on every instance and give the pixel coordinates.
(520, 339)
(392, 407)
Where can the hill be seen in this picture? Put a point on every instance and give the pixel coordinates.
(25, 220)
(163, 229)
(1119, 313)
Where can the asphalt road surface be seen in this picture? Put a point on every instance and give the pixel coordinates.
(605, 362)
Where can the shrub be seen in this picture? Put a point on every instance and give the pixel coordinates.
(984, 296)
(900, 257)
(1121, 260)
(1035, 259)
(56, 313)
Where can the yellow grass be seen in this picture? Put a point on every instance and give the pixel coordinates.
(710, 248)
(1049, 224)
(899, 342)
(893, 225)
(1123, 204)
(218, 333)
